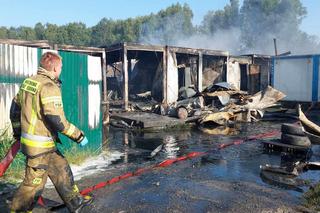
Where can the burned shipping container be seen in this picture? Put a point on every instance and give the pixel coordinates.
(136, 71)
(249, 72)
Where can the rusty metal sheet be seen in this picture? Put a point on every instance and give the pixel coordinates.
(264, 99)
(220, 118)
(254, 69)
(254, 78)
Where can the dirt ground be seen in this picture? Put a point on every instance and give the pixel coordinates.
(224, 181)
(182, 187)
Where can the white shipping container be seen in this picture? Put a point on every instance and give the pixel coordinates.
(297, 77)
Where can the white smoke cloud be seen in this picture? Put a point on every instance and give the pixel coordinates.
(226, 40)
(260, 30)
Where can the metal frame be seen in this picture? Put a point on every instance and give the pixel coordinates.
(127, 46)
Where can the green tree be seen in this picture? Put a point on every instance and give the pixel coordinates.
(276, 18)
(40, 31)
(257, 22)
(26, 33)
(168, 26)
(101, 33)
(221, 19)
(76, 34)
(3, 33)
(51, 32)
(12, 33)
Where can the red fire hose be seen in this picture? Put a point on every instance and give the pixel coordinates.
(6, 161)
(168, 162)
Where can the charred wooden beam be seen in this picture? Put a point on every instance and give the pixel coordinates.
(240, 59)
(114, 47)
(125, 77)
(155, 48)
(134, 46)
(193, 51)
(105, 102)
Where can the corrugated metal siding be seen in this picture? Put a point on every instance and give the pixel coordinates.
(75, 95)
(16, 64)
(94, 91)
(94, 128)
(7, 92)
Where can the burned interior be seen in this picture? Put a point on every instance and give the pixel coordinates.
(252, 72)
(137, 72)
(139, 79)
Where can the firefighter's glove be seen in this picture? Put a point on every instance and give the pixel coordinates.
(84, 142)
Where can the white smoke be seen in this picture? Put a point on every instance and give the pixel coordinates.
(166, 30)
(227, 40)
(261, 29)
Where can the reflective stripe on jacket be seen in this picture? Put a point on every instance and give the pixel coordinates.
(40, 108)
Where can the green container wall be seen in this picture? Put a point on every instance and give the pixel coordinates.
(16, 64)
(75, 83)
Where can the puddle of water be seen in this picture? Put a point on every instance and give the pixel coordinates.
(233, 164)
(93, 165)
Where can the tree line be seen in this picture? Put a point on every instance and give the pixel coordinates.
(106, 32)
(256, 21)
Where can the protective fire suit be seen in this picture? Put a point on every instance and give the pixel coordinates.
(37, 116)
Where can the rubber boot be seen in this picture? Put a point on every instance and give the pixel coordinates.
(76, 204)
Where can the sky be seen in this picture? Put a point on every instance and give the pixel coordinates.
(27, 13)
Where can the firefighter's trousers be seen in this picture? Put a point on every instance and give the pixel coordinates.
(38, 169)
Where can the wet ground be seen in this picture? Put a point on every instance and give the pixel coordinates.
(226, 180)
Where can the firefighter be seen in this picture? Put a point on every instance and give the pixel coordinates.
(37, 116)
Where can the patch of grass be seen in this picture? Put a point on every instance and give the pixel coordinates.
(5, 142)
(76, 156)
(15, 172)
(312, 198)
